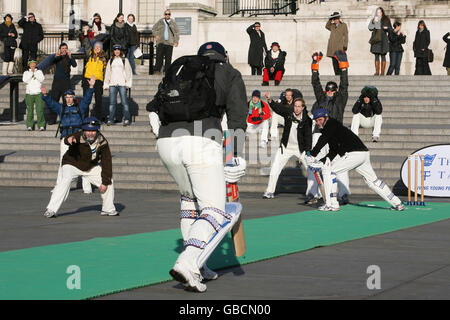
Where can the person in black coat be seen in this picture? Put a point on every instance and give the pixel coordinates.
(257, 49)
(446, 63)
(8, 35)
(119, 33)
(420, 47)
(32, 35)
(396, 39)
(133, 40)
(274, 65)
(367, 112)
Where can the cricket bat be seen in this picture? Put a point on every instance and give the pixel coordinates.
(237, 232)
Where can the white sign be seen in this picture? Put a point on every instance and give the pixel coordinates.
(436, 171)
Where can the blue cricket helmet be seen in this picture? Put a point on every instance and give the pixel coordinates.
(91, 124)
(321, 112)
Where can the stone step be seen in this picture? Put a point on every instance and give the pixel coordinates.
(389, 177)
(146, 138)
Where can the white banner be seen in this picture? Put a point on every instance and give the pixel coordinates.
(436, 171)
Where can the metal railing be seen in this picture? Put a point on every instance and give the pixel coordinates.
(259, 7)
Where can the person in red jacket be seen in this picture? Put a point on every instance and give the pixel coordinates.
(274, 65)
(258, 117)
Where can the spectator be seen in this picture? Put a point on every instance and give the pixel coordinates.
(396, 39)
(119, 33)
(380, 26)
(274, 65)
(32, 35)
(98, 27)
(94, 67)
(33, 79)
(334, 100)
(446, 64)
(257, 49)
(167, 36)
(338, 40)
(367, 112)
(118, 78)
(258, 117)
(71, 114)
(133, 40)
(420, 47)
(61, 80)
(296, 140)
(8, 35)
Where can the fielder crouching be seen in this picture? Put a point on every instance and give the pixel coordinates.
(88, 156)
(353, 155)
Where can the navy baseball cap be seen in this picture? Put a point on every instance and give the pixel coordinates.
(214, 46)
(321, 112)
(256, 93)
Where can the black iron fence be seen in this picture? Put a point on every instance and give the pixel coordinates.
(259, 7)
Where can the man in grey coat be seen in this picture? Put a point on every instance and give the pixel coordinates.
(167, 36)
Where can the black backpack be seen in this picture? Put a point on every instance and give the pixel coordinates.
(186, 92)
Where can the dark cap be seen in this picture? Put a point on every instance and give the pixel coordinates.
(256, 93)
(275, 44)
(212, 46)
(117, 46)
(31, 14)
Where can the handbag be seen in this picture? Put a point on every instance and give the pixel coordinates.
(430, 55)
(137, 53)
(376, 36)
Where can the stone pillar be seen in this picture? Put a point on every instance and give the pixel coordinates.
(12, 7)
(194, 11)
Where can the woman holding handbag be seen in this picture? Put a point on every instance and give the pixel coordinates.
(420, 47)
(380, 26)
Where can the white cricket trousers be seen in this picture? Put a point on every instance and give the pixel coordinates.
(372, 122)
(360, 161)
(262, 128)
(62, 150)
(343, 180)
(281, 158)
(70, 173)
(196, 165)
(276, 119)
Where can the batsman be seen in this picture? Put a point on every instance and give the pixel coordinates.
(353, 155)
(195, 93)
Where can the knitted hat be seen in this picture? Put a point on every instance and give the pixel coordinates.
(275, 44)
(256, 93)
(32, 61)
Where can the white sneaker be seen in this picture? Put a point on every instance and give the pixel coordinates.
(112, 213)
(208, 274)
(191, 280)
(268, 195)
(49, 214)
(41, 129)
(29, 129)
(328, 208)
(399, 207)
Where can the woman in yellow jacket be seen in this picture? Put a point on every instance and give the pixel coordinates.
(95, 66)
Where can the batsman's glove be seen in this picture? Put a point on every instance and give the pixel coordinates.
(234, 172)
(341, 57)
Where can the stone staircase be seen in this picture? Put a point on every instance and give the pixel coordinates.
(415, 115)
